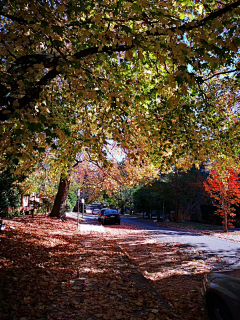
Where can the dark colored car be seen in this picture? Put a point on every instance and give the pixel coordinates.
(101, 213)
(221, 293)
(110, 216)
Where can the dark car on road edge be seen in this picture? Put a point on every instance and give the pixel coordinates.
(110, 216)
(101, 213)
(221, 293)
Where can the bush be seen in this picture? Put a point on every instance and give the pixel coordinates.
(69, 206)
(47, 205)
(10, 193)
(72, 199)
(15, 213)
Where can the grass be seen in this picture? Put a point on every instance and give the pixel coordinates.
(193, 225)
(186, 225)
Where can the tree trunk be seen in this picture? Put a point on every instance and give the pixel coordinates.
(225, 222)
(60, 202)
(225, 216)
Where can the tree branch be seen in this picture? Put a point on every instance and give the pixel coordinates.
(25, 62)
(199, 23)
(48, 61)
(224, 72)
(213, 15)
(110, 50)
(51, 61)
(13, 18)
(77, 163)
(31, 95)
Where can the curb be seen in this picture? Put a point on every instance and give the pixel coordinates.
(147, 282)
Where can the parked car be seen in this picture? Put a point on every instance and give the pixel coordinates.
(110, 216)
(221, 293)
(96, 211)
(89, 209)
(101, 213)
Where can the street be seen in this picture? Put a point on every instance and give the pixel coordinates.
(218, 254)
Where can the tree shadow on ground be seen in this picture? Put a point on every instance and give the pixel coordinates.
(51, 272)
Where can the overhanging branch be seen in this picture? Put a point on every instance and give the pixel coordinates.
(31, 95)
(48, 61)
(199, 23)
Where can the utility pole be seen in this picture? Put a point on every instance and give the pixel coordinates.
(82, 206)
(78, 207)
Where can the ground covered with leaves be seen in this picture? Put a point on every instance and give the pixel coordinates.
(51, 270)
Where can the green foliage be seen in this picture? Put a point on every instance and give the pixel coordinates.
(10, 192)
(110, 200)
(183, 188)
(15, 213)
(47, 204)
(117, 72)
(72, 199)
(147, 198)
(69, 206)
(189, 191)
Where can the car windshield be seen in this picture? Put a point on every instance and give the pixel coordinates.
(111, 212)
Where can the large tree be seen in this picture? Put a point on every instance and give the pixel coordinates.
(116, 69)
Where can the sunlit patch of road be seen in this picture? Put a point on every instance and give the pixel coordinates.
(91, 228)
(87, 223)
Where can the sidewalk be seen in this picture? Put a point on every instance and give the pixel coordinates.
(50, 270)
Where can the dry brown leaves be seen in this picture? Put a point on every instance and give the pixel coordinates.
(49, 270)
(176, 275)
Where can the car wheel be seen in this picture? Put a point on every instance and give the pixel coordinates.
(218, 310)
(103, 222)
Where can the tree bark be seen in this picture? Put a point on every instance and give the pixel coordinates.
(60, 202)
(225, 228)
(225, 221)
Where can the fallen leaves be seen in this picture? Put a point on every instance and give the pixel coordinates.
(172, 272)
(50, 270)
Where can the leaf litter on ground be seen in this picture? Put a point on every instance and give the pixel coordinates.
(50, 270)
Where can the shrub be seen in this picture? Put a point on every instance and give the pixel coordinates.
(14, 213)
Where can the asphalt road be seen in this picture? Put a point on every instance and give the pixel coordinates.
(221, 254)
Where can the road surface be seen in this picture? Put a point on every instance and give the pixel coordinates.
(224, 253)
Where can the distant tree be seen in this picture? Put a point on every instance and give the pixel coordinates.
(224, 188)
(140, 196)
(186, 190)
(189, 192)
(148, 197)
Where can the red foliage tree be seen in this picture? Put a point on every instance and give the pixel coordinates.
(224, 188)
